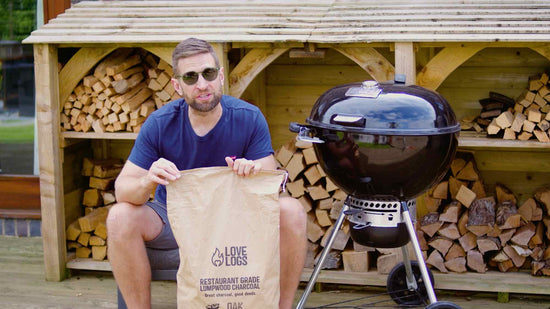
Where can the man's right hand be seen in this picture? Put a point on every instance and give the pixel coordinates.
(162, 171)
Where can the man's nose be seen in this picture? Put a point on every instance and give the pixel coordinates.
(201, 82)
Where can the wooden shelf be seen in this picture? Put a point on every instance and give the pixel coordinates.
(93, 135)
(467, 139)
(470, 139)
(87, 264)
(491, 281)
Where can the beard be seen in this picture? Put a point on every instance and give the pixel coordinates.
(205, 107)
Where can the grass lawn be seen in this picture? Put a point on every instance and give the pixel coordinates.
(17, 133)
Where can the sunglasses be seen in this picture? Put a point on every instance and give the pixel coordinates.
(190, 78)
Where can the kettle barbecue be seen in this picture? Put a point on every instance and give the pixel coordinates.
(383, 144)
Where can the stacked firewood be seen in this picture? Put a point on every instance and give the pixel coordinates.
(467, 229)
(525, 118)
(88, 234)
(321, 199)
(119, 93)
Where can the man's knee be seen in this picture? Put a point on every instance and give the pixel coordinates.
(292, 213)
(123, 218)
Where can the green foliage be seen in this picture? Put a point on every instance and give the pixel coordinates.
(17, 19)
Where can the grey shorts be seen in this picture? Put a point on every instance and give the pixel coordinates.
(165, 240)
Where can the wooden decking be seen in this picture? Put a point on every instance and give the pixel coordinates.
(22, 286)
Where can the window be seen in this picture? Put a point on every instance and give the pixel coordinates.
(17, 107)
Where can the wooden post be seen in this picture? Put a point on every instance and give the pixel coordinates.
(405, 61)
(51, 178)
(221, 50)
(503, 297)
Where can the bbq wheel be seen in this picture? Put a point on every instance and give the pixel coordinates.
(442, 305)
(398, 289)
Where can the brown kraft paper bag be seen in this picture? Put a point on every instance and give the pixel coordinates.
(227, 230)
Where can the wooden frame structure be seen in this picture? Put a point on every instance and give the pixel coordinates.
(451, 32)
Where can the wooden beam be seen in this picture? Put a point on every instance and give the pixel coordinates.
(249, 67)
(371, 61)
(221, 50)
(543, 50)
(405, 61)
(51, 178)
(443, 64)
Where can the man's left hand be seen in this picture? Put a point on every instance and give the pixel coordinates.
(243, 167)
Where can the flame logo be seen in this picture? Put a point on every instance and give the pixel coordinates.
(217, 258)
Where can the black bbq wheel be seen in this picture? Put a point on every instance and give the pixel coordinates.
(443, 305)
(398, 289)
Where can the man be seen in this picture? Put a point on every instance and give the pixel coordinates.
(204, 128)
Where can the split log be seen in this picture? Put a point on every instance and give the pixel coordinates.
(543, 196)
(482, 212)
(517, 259)
(355, 261)
(441, 244)
(440, 191)
(506, 235)
(507, 216)
(468, 172)
(450, 231)
(436, 260)
(457, 265)
(475, 261)
(89, 222)
(99, 253)
(523, 235)
(468, 241)
(455, 251)
(73, 231)
(333, 260)
(504, 194)
(486, 244)
(450, 213)
(430, 224)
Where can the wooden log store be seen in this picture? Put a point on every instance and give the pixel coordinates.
(103, 66)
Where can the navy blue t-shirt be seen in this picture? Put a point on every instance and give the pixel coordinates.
(242, 132)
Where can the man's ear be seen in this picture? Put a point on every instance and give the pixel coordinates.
(222, 76)
(177, 86)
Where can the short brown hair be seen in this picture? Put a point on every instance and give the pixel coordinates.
(191, 47)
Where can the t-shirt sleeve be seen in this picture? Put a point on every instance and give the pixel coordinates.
(145, 152)
(260, 144)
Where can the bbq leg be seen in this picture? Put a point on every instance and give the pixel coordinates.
(423, 269)
(323, 257)
(411, 282)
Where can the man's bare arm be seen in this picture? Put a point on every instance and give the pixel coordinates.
(135, 184)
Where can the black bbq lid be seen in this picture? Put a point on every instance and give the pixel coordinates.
(383, 108)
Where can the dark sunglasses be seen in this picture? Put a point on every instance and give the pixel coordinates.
(190, 78)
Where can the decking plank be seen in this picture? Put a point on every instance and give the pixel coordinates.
(22, 286)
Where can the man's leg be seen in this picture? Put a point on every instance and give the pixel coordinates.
(293, 248)
(128, 227)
